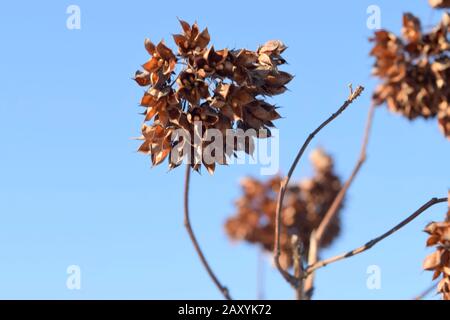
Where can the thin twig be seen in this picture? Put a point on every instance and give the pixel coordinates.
(337, 202)
(426, 292)
(373, 242)
(286, 275)
(187, 224)
(331, 213)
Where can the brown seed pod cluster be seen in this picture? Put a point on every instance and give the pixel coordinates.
(439, 261)
(305, 205)
(439, 4)
(199, 88)
(415, 70)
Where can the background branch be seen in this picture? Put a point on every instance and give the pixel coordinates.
(312, 258)
(286, 275)
(297, 249)
(373, 242)
(260, 275)
(427, 291)
(187, 224)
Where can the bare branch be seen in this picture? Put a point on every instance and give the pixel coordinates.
(427, 291)
(340, 197)
(334, 208)
(286, 275)
(373, 242)
(187, 224)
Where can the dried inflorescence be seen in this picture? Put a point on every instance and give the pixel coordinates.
(439, 261)
(439, 3)
(415, 71)
(200, 88)
(305, 205)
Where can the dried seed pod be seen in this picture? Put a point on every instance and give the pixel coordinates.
(305, 206)
(414, 70)
(440, 4)
(200, 89)
(439, 260)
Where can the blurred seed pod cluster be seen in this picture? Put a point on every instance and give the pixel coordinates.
(198, 88)
(414, 70)
(439, 4)
(305, 205)
(439, 261)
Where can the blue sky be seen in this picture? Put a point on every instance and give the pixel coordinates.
(73, 191)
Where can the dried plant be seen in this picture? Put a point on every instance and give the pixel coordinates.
(439, 261)
(414, 70)
(200, 88)
(305, 206)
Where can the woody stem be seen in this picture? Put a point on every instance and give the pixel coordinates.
(187, 224)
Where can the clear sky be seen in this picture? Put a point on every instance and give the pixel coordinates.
(73, 191)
